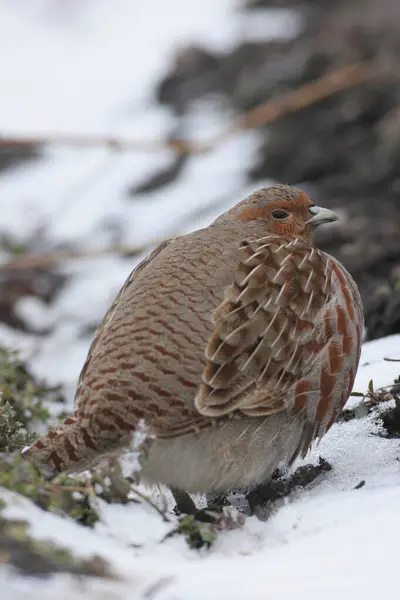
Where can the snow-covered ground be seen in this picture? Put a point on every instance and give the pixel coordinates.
(90, 66)
(329, 540)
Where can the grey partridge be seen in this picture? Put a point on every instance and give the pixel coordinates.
(236, 344)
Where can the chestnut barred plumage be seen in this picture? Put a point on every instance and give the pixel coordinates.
(237, 344)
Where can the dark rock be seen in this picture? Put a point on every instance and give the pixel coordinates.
(194, 72)
(12, 155)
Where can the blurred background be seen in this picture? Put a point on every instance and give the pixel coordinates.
(123, 122)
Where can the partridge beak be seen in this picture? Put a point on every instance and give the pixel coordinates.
(321, 215)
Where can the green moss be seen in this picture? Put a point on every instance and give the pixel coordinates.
(72, 496)
(197, 533)
(13, 435)
(201, 530)
(22, 402)
(20, 476)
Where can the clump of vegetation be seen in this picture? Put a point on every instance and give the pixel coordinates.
(26, 396)
(13, 435)
(40, 558)
(202, 530)
(373, 402)
(370, 400)
(197, 533)
(23, 408)
(66, 497)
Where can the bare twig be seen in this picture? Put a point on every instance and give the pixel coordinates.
(150, 502)
(113, 143)
(300, 98)
(289, 102)
(48, 259)
(89, 490)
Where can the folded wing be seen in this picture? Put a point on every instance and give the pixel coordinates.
(287, 336)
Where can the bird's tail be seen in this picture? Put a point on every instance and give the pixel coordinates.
(67, 447)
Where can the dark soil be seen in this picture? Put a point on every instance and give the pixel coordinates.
(280, 486)
(391, 417)
(261, 499)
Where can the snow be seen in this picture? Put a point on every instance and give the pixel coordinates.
(110, 52)
(327, 539)
(89, 67)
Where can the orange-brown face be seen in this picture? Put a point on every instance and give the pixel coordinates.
(293, 218)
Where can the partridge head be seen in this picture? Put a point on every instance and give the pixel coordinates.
(236, 344)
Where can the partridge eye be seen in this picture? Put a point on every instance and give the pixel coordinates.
(279, 214)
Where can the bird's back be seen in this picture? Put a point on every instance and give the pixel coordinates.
(148, 357)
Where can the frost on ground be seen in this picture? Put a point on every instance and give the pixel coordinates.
(93, 71)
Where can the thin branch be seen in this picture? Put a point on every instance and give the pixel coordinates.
(113, 143)
(89, 489)
(289, 102)
(301, 98)
(150, 502)
(49, 259)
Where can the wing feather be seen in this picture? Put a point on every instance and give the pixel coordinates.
(274, 332)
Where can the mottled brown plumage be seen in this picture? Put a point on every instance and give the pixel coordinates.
(237, 345)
